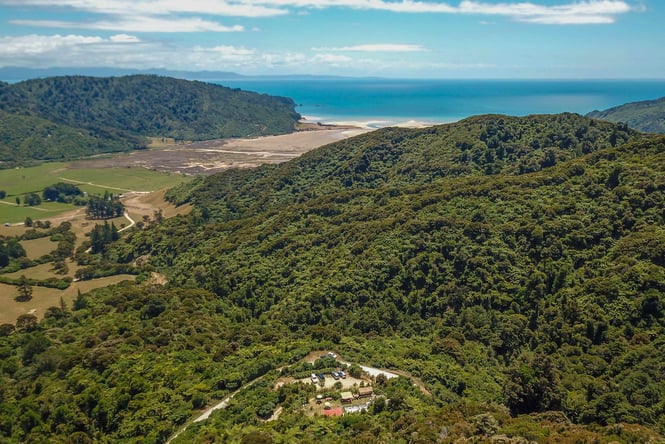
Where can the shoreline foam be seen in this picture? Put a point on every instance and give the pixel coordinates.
(369, 124)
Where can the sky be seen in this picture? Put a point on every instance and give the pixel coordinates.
(547, 39)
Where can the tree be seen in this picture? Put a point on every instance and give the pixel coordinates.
(26, 322)
(61, 192)
(24, 289)
(7, 329)
(3, 194)
(379, 405)
(15, 249)
(102, 235)
(533, 385)
(79, 303)
(105, 207)
(50, 193)
(28, 222)
(355, 371)
(32, 199)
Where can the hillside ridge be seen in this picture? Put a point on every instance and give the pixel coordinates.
(120, 111)
(647, 115)
(529, 303)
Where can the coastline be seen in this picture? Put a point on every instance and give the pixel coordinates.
(366, 124)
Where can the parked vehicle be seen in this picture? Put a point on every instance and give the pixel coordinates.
(315, 379)
(342, 373)
(321, 376)
(335, 375)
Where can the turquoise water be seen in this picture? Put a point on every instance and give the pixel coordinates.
(388, 101)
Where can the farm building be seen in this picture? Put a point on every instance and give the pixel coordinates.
(364, 392)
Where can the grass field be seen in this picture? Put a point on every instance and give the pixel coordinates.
(41, 272)
(21, 181)
(43, 298)
(18, 182)
(36, 248)
(14, 214)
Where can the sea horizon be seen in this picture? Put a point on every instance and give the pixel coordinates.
(378, 102)
(374, 102)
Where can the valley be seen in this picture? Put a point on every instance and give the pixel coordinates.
(213, 156)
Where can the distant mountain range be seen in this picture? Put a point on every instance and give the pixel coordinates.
(14, 74)
(73, 116)
(647, 116)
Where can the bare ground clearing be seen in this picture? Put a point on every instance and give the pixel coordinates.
(212, 156)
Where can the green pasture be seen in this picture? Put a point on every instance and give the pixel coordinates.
(14, 214)
(20, 181)
(123, 179)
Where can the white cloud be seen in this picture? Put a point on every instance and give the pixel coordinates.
(32, 45)
(578, 11)
(233, 8)
(124, 38)
(381, 47)
(332, 59)
(123, 11)
(127, 51)
(223, 53)
(583, 12)
(138, 24)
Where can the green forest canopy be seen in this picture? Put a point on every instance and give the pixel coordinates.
(72, 116)
(525, 289)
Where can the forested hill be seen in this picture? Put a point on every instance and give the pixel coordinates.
(26, 138)
(116, 110)
(647, 116)
(530, 304)
(539, 291)
(392, 158)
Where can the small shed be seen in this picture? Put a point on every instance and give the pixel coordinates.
(364, 392)
(346, 396)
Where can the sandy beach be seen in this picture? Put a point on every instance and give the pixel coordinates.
(369, 124)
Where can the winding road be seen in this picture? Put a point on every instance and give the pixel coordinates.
(206, 413)
(132, 222)
(225, 402)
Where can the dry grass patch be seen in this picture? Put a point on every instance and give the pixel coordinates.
(36, 248)
(139, 205)
(39, 272)
(43, 298)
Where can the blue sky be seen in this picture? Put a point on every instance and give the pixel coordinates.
(391, 38)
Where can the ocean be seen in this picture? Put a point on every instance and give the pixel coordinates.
(383, 102)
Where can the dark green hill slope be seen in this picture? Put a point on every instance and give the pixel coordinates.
(113, 114)
(398, 157)
(647, 116)
(152, 105)
(25, 138)
(530, 305)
